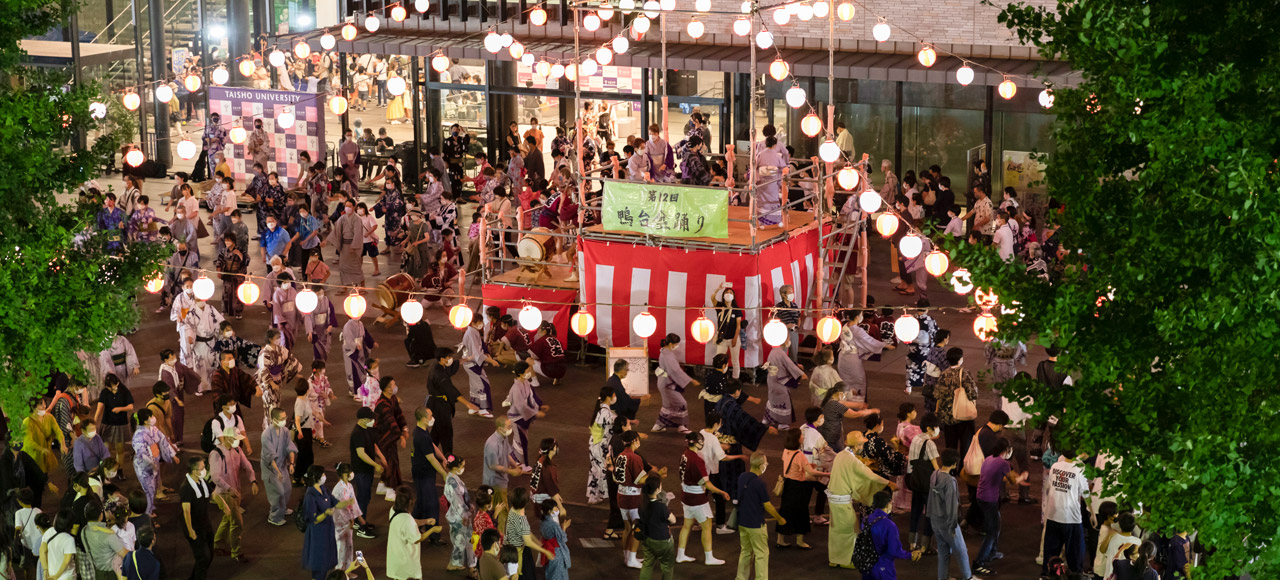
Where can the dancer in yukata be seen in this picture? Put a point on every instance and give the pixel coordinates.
(474, 356)
(525, 407)
(150, 449)
(284, 311)
(319, 325)
(356, 344)
(672, 381)
(278, 452)
(601, 430)
(201, 330)
(276, 367)
(856, 346)
(784, 376)
(119, 358)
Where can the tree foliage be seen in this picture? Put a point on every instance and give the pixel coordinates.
(1166, 165)
(60, 290)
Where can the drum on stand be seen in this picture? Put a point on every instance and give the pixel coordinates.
(394, 291)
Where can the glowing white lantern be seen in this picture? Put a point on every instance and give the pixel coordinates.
(742, 26)
(1046, 99)
(399, 13)
(186, 149)
(354, 305)
(306, 301)
(652, 9)
(702, 330)
(870, 201)
(936, 263)
(202, 287)
(192, 82)
(964, 75)
(696, 28)
(887, 224)
(460, 316)
(848, 178)
(164, 94)
(811, 125)
(927, 56)
(527, 59)
(135, 157)
(220, 76)
(910, 246)
(779, 69)
(821, 9)
(348, 32)
(781, 16)
(372, 23)
(396, 86)
(327, 41)
(804, 12)
(881, 31)
(589, 67)
(621, 44)
(906, 328)
(440, 63)
(1007, 89)
(530, 317)
(775, 332)
(591, 22)
(411, 312)
(286, 119)
(247, 68)
(155, 284)
(276, 58)
(829, 151)
(961, 281)
(702, 5)
(301, 49)
(543, 68)
(641, 24)
(604, 55)
(538, 16)
(845, 11)
(97, 110)
(764, 39)
(338, 105)
(237, 135)
(644, 324)
(131, 101)
(795, 97)
(828, 329)
(582, 322)
(422, 5)
(667, 5)
(493, 42)
(557, 70)
(606, 13)
(984, 326)
(516, 50)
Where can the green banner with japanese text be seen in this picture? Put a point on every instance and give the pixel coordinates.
(660, 209)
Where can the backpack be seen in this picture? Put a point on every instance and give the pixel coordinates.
(864, 551)
(206, 435)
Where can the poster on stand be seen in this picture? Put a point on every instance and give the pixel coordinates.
(637, 357)
(239, 107)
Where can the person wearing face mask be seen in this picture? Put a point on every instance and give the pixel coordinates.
(672, 381)
(276, 366)
(112, 409)
(391, 208)
(525, 407)
(424, 464)
(319, 324)
(319, 508)
(922, 462)
(277, 464)
(417, 241)
(392, 431)
(958, 431)
(150, 449)
(788, 311)
(820, 454)
(259, 145)
(274, 240)
(851, 482)
(356, 344)
(232, 267)
(695, 487)
(784, 376)
(368, 237)
(245, 352)
(366, 458)
(200, 330)
(553, 528)
(729, 323)
(856, 346)
(180, 379)
(89, 450)
(231, 382)
(348, 519)
(347, 237)
(474, 356)
(285, 316)
(455, 150)
(161, 409)
(459, 516)
(442, 398)
(195, 493)
(545, 478)
(179, 266)
(182, 307)
(39, 433)
(227, 463)
(996, 472)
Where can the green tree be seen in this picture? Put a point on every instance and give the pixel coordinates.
(1166, 165)
(60, 290)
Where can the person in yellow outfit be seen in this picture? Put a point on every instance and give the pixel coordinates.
(39, 433)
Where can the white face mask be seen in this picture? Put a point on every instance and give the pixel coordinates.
(323, 478)
(280, 423)
(728, 297)
(204, 474)
(787, 296)
(111, 474)
(431, 422)
(235, 443)
(286, 285)
(271, 225)
(41, 412)
(188, 291)
(231, 364)
(232, 409)
(90, 434)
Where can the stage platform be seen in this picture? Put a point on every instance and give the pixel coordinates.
(554, 278)
(739, 231)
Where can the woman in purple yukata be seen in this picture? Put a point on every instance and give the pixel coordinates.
(784, 377)
(525, 407)
(672, 381)
(855, 346)
(150, 449)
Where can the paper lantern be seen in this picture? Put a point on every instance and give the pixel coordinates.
(779, 69)
(804, 12)
(571, 72)
(192, 82)
(220, 76)
(538, 16)
(285, 119)
(1007, 89)
(742, 26)
(516, 50)
(887, 224)
(1046, 99)
(582, 322)
(327, 41)
(870, 201)
(557, 71)
(627, 5)
(396, 86)
(747, 7)
(421, 5)
(247, 67)
(605, 10)
(621, 44)
(306, 301)
(440, 63)
(354, 305)
(781, 16)
(702, 5)
(411, 312)
(652, 8)
(237, 135)
(527, 59)
(493, 42)
(696, 28)
(543, 68)
(641, 24)
(961, 281)
(530, 317)
(589, 67)
(964, 75)
(301, 49)
(202, 287)
(906, 328)
(604, 55)
(795, 97)
(880, 31)
(828, 329)
(338, 105)
(927, 56)
(829, 151)
(460, 316)
(131, 101)
(987, 298)
(764, 39)
(845, 11)
(164, 94)
(155, 284)
(348, 32)
(591, 22)
(811, 125)
(910, 246)
(135, 157)
(644, 324)
(399, 14)
(248, 292)
(847, 177)
(984, 326)
(775, 332)
(667, 5)
(372, 23)
(821, 9)
(936, 263)
(186, 149)
(702, 330)
(276, 58)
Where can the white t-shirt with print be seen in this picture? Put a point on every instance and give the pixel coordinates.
(1066, 486)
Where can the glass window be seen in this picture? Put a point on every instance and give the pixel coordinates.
(872, 128)
(464, 71)
(943, 137)
(466, 108)
(680, 122)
